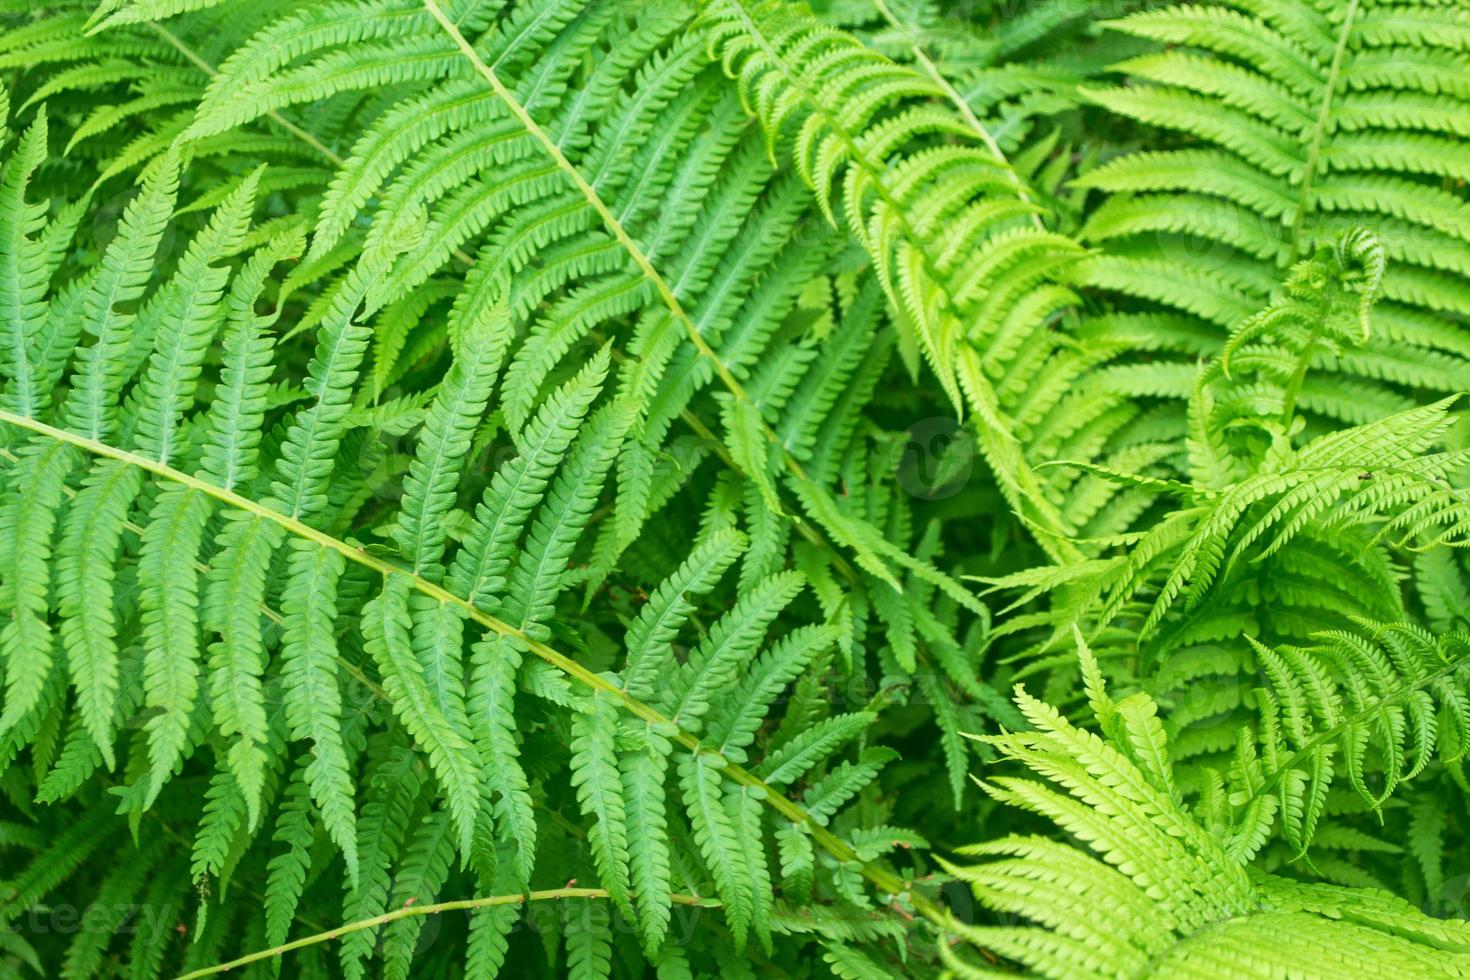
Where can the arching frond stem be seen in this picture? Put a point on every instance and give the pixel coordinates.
(615, 227)
(960, 105)
(887, 882)
(458, 905)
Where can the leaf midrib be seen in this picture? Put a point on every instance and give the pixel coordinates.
(885, 880)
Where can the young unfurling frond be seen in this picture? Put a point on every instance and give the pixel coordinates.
(1265, 490)
(1282, 529)
(1294, 124)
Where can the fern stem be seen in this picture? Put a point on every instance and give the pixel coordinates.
(613, 225)
(1319, 130)
(886, 881)
(961, 106)
(1299, 378)
(409, 911)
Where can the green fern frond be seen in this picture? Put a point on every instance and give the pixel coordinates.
(951, 259)
(1312, 122)
(266, 562)
(1388, 699)
(461, 511)
(1159, 893)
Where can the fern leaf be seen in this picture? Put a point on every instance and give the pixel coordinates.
(30, 519)
(169, 599)
(386, 631)
(487, 945)
(310, 447)
(540, 574)
(644, 772)
(232, 430)
(234, 593)
(659, 620)
(289, 866)
(733, 725)
(126, 266)
(495, 661)
(728, 648)
(187, 324)
(429, 487)
(791, 761)
(480, 569)
(418, 878)
(589, 944)
(704, 793)
(85, 573)
(599, 787)
(750, 448)
(313, 699)
(23, 278)
(394, 789)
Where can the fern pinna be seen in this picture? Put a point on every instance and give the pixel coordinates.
(543, 486)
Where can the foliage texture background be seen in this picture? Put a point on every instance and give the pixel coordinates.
(734, 488)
